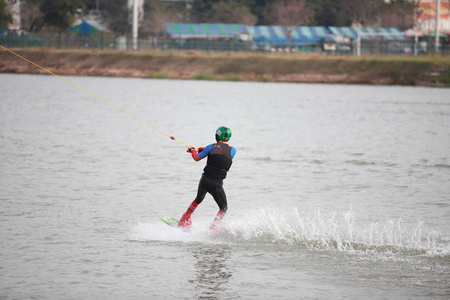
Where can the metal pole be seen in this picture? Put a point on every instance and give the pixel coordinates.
(436, 41)
(135, 24)
(188, 10)
(416, 41)
(358, 46)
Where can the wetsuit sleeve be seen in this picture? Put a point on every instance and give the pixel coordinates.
(198, 156)
(232, 152)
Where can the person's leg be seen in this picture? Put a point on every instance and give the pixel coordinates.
(221, 199)
(185, 220)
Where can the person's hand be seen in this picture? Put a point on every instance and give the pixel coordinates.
(190, 149)
(200, 149)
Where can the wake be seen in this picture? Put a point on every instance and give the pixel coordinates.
(313, 229)
(308, 229)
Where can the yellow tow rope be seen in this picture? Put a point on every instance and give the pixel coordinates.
(136, 118)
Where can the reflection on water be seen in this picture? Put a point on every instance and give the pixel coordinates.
(212, 271)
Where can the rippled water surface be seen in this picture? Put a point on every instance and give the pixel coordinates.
(336, 191)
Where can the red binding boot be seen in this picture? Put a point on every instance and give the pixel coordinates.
(185, 221)
(215, 226)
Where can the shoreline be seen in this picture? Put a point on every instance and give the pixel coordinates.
(431, 71)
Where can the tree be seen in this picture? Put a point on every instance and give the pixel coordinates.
(158, 15)
(231, 11)
(329, 12)
(60, 13)
(31, 17)
(115, 14)
(5, 16)
(258, 8)
(223, 11)
(399, 14)
(363, 12)
(289, 13)
(202, 10)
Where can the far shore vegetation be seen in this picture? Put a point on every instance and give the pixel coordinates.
(431, 70)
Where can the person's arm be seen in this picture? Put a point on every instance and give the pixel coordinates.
(233, 152)
(200, 155)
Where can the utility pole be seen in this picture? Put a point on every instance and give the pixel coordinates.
(188, 10)
(438, 6)
(135, 24)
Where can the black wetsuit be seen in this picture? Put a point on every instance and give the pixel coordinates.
(220, 158)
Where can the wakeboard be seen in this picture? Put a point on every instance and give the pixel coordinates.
(171, 221)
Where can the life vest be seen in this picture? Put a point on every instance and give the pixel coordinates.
(219, 161)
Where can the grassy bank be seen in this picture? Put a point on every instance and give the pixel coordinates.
(312, 68)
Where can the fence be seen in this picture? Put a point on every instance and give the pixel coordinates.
(372, 46)
(59, 41)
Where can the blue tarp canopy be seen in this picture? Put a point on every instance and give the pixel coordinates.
(278, 35)
(205, 30)
(306, 35)
(367, 32)
(274, 35)
(86, 28)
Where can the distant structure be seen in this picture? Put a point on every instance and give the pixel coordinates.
(14, 8)
(426, 21)
(93, 11)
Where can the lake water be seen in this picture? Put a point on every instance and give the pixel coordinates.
(336, 191)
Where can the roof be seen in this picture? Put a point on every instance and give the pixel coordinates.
(411, 32)
(278, 35)
(274, 35)
(309, 34)
(203, 30)
(87, 27)
(367, 32)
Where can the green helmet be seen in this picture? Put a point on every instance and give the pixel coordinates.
(223, 133)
